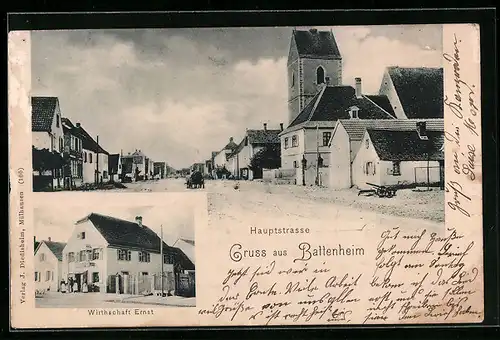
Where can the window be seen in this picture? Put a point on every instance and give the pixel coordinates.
(168, 258)
(42, 257)
(90, 157)
(326, 138)
(369, 169)
(71, 257)
(61, 144)
(95, 277)
(320, 75)
(85, 157)
(396, 168)
(367, 143)
(105, 175)
(286, 142)
(144, 273)
(58, 121)
(82, 255)
(144, 256)
(295, 164)
(295, 141)
(354, 112)
(293, 79)
(52, 275)
(37, 277)
(124, 255)
(47, 275)
(96, 254)
(81, 235)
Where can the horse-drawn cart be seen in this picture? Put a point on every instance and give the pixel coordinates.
(379, 190)
(195, 180)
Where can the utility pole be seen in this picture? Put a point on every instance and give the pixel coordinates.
(317, 155)
(97, 162)
(428, 161)
(161, 255)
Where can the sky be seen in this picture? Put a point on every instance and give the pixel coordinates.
(179, 94)
(56, 219)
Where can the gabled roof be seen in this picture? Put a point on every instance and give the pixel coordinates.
(314, 44)
(231, 145)
(42, 113)
(333, 103)
(88, 143)
(355, 128)
(187, 247)
(393, 145)
(257, 137)
(383, 102)
(420, 90)
(55, 247)
(263, 136)
(120, 233)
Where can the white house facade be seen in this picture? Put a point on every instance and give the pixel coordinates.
(48, 265)
(117, 256)
(403, 158)
(347, 137)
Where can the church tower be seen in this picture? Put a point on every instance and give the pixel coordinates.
(313, 60)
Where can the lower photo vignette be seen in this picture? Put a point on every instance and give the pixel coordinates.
(114, 257)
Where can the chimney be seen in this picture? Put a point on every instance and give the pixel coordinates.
(50, 239)
(281, 126)
(138, 220)
(265, 126)
(231, 139)
(358, 87)
(77, 124)
(422, 130)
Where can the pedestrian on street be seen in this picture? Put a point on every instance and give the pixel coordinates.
(63, 286)
(75, 287)
(70, 285)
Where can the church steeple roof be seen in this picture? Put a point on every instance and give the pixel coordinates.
(314, 44)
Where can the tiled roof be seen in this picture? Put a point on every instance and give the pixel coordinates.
(316, 44)
(333, 103)
(420, 91)
(187, 247)
(257, 137)
(42, 113)
(88, 143)
(383, 102)
(55, 247)
(263, 136)
(393, 145)
(355, 128)
(230, 146)
(126, 234)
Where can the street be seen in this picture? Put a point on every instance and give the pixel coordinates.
(267, 199)
(104, 300)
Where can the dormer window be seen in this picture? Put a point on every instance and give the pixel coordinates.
(354, 112)
(320, 75)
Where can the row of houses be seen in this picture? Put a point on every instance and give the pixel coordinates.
(67, 156)
(111, 255)
(338, 136)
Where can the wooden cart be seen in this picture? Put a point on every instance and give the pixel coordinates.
(379, 190)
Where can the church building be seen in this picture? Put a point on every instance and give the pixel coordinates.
(316, 100)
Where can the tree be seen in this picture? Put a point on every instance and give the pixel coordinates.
(44, 160)
(268, 157)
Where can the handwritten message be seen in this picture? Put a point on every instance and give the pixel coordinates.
(462, 109)
(415, 276)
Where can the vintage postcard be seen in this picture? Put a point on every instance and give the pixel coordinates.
(318, 175)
